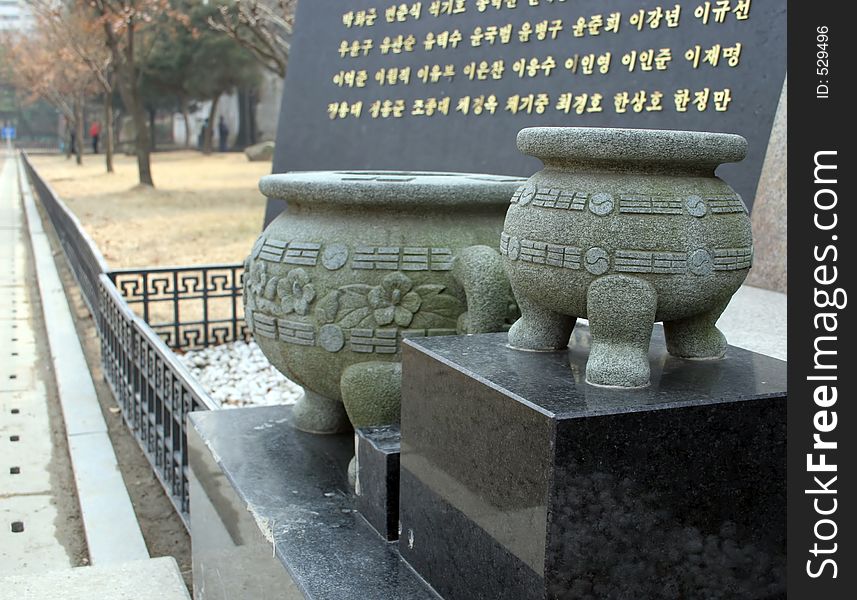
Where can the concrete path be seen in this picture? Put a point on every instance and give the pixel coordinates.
(34, 560)
(152, 579)
(28, 511)
(112, 532)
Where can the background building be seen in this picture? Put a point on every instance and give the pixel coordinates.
(15, 15)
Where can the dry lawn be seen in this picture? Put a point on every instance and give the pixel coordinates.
(204, 209)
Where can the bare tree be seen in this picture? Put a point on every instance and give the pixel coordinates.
(264, 27)
(44, 66)
(71, 25)
(125, 24)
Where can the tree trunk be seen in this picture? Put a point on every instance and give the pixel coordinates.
(253, 102)
(68, 134)
(107, 134)
(244, 137)
(129, 90)
(186, 116)
(247, 100)
(78, 125)
(153, 113)
(141, 129)
(207, 140)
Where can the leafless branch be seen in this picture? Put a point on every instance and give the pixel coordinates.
(262, 27)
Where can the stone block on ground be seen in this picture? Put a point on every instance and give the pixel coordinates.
(263, 151)
(770, 268)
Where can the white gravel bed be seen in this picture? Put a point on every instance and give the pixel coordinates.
(238, 374)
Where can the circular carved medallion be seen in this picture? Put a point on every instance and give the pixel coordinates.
(597, 260)
(334, 256)
(601, 204)
(527, 195)
(514, 248)
(331, 338)
(700, 262)
(695, 206)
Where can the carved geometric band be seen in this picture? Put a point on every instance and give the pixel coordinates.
(382, 341)
(641, 261)
(550, 198)
(542, 253)
(333, 338)
(655, 205)
(597, 260)
(603, 203)
(733, 259)
(334, 256)
(302, 253)
(393, 258)
(264, 325)
(292, 253)
(296, 332)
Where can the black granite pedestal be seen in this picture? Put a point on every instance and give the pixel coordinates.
(377, 482)
(273, 516)
(520, 481)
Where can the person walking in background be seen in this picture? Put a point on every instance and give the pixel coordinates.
(94, 133)
(200, 139)
(222, 133)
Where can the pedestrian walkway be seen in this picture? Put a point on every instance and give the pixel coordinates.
(34, 560)
(150, 579)
(28, 507)
(112, 532)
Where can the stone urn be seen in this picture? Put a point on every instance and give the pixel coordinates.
(357, 262)
(625, 227)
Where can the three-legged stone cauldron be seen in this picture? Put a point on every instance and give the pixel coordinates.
(626, 227)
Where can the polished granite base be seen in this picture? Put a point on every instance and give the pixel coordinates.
(273, 516)
(520, 481)
(377, 485)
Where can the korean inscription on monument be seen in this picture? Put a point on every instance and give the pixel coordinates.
(578, 72)
(446, 84)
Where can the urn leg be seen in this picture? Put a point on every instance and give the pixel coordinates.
(314, 413)
(352, 472)
(697, 337)
(540, 329)
(621, 312)
(372, 393)
(479, 270)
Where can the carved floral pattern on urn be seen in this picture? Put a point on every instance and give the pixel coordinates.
(393, 300)
(295, 292)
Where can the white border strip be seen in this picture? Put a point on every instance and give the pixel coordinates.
(112, 532)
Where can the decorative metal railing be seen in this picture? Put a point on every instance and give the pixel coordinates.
(154, 390)
(142, 315)
(189, 307)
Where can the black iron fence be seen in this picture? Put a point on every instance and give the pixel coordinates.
(81, 252)
(142, 315)
(152, 387)
(189, 307)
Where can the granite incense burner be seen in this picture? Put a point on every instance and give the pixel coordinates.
(625, 227)
(357, 262)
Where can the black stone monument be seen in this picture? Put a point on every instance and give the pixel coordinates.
(446, 84)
